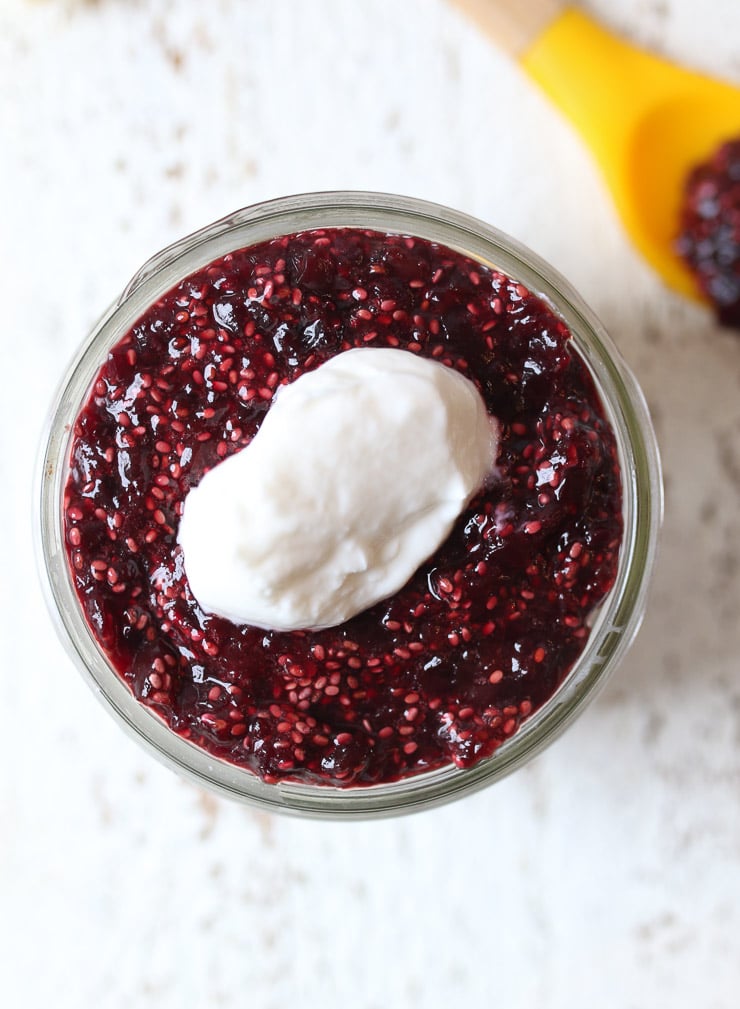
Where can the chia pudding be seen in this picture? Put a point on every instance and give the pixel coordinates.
(488, 627)
(709, 239)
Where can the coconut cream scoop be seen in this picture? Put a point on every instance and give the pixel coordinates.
(355, 477)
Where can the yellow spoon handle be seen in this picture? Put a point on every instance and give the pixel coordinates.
(603, 84)
(513, 24)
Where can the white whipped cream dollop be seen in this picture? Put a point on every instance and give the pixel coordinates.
(355, 477)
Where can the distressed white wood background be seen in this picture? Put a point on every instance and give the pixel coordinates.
(607, 873)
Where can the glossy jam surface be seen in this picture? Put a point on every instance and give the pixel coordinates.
(487, 628)
(709, 240)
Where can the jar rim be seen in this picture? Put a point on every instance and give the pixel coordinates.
(619, 615)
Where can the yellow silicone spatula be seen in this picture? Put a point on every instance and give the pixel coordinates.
(647, 121)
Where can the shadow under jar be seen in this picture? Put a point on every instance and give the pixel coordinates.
(500, 637)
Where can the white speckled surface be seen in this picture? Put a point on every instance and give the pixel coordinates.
(607, 873)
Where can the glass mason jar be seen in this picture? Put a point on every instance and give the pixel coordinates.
(618, 617)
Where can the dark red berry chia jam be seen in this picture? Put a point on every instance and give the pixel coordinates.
(484, 632)
(709, 240)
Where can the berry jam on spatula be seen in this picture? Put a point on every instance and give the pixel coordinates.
(709, 241)
(485, 630)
